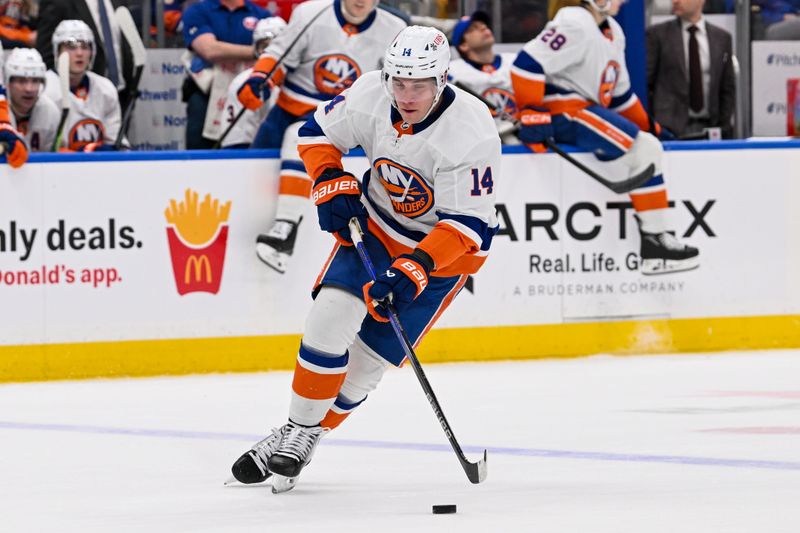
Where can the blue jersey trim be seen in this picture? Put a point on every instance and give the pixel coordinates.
(311, 128)
(528, 63)
(296, 88)
(498, 59)
(617, 101)
(292, 164)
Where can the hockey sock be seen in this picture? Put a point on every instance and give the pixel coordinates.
(318, 376)
(340, 410)
(651, 205)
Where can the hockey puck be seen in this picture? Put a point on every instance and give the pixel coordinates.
(444, 509)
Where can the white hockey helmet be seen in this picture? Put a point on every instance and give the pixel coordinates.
(73, 31)
(600, 9)
(24, 63)
(268, 28)
(418, 52)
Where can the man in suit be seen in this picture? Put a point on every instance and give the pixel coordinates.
(690, 78)
(51, 12)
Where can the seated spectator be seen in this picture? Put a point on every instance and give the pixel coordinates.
(690, 78)
(219, 34)
(244, 130)
(33, 114)
(483, 72)
(16, 19)
(94, 115)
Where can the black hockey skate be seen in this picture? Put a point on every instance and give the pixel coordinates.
(276, 245)
(662, 253)
(251, 467)
(293, 454)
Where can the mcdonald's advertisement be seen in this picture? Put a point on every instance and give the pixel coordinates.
(163, 247)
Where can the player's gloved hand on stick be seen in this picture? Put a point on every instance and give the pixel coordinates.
(337, 195)
(254, 91)
(535, 127)
(14, 145)
(404, 280)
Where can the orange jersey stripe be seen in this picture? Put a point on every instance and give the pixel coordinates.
(445, 244)
(318, 157)
(636, 114)
(466, 264)
(313, 386)
(295, 186)
(567, 105)
(527, 92)
(445, 303)
(4, 116)
(604, 128)
(266, 64)
(292, 106)
(649, 201)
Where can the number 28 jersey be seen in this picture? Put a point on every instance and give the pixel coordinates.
(573, 64)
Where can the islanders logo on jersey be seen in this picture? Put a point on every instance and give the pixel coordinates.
(608, 81)
(409, 193)
(501, 100)
(85, 131)
(333, 73)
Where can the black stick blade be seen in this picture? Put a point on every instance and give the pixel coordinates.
(476, 472)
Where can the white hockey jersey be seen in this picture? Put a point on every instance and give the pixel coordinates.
(439, 173)
(93, 116)
(573, 63)
(330, 55)
(245, 129)
(493, 81)
(39, 128)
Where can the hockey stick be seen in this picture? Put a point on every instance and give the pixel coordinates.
(63, 82)
(619, 187)
(239, 115)
(128, 29)
(476, 472)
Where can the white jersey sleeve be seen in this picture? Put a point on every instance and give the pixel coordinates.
(245, 129)
(560, 45)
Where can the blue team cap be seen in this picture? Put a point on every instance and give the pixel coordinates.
(462, 25)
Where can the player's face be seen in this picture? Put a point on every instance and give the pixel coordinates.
(414, 97)
(80, 52)
(24, 92)
(356, 11)
(478, 36)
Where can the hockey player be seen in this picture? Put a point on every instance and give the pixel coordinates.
(428, 205)
(94, 116)
(12, 144)
(242, 133)
(572, 85)
(347, 39)
(485, 72)
(32, 113)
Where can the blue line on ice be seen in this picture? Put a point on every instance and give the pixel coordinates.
(412, 446)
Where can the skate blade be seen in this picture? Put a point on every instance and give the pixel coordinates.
(275, 260)
(281, 484)
(654, 267)
(231, 481)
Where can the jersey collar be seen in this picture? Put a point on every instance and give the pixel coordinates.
(448, 95)
(352, 29)
(486, 67)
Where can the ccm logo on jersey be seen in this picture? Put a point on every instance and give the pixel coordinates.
(501, 100)
(334, 73)
(409, 193)
(608, 81)
(84, 132)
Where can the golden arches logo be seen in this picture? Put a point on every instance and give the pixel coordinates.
(197, 235)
